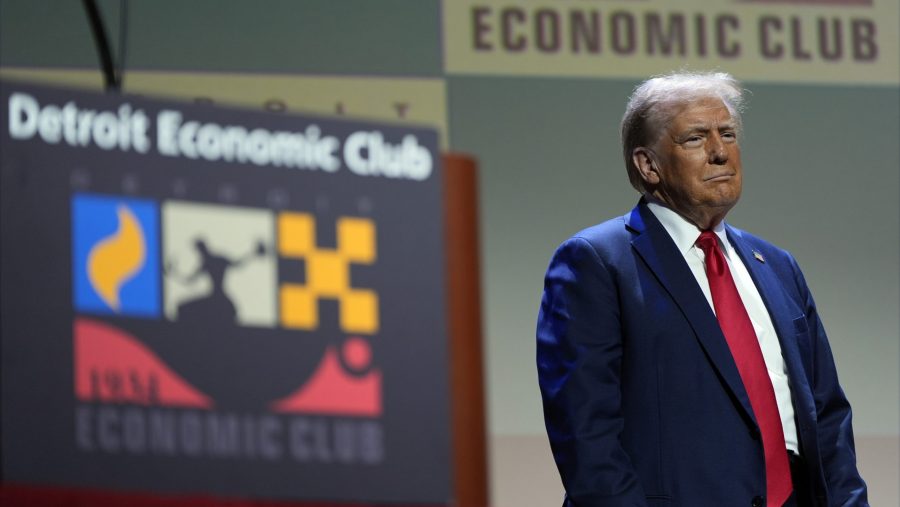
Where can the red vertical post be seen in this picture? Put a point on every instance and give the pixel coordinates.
(466, 356)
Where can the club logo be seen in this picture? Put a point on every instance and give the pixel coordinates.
(219, 264)
(116, 268)
(327, 273)
(229, 331)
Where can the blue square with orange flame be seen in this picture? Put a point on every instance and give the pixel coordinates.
(115, 255)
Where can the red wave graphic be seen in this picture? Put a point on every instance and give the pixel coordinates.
(113, 366)
(333, 391)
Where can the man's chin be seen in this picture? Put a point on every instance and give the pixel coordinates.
(725, 198)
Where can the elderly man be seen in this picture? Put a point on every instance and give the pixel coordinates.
(681, 360)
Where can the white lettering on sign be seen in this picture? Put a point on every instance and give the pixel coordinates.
(364, 152)
(125, 129)
(368, 154)
(139, 431)
(210, 141)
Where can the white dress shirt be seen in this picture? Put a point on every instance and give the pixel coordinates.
(685, 235)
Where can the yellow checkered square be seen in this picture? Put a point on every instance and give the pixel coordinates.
(356, 240)
(296, 234)
(299, 307)
(359, 312)
(327, 274)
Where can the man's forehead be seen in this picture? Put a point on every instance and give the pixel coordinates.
(703, 112)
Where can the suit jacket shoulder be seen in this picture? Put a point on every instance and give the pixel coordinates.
(606, 234)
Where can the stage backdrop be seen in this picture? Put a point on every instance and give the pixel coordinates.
(535, 90)
(203, 300)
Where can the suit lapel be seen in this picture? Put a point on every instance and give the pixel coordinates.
(783, 312)
(656, 248)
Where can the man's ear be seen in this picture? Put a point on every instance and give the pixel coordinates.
(645, 161)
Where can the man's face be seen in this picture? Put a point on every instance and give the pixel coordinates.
(698, 162)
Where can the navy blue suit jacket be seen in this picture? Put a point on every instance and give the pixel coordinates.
(643, 402)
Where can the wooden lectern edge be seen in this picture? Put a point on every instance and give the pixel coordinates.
(468, 432)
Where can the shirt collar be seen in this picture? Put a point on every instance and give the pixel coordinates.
(682, 232)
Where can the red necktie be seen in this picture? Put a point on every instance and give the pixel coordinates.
(744, 345)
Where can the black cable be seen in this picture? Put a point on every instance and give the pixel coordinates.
(123, 39)
(110, 79)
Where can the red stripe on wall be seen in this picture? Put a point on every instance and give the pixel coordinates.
(811, 2)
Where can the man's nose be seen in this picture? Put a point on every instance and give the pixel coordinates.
(717, 152)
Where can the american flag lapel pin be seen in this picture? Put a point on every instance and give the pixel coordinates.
(758, 256)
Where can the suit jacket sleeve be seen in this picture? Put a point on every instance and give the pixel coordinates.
(579, 357)
(833, 415)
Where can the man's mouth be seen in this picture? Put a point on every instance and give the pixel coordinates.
(720, 177)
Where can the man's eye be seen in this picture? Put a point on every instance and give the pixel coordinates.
(730, 136)
(693, 140)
